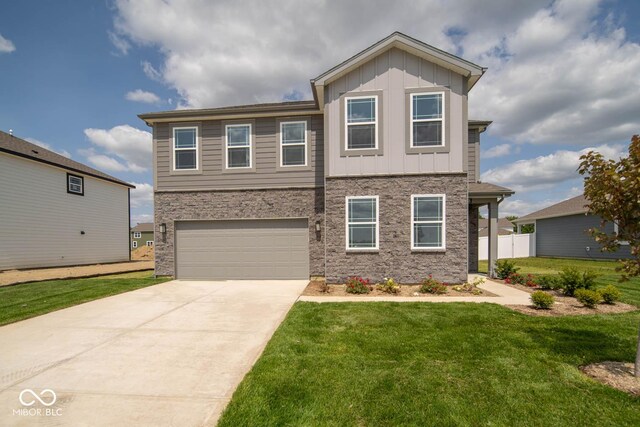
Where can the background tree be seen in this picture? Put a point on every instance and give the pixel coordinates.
(524, 229)
(612, 190)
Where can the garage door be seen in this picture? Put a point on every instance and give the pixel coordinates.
(243, 249)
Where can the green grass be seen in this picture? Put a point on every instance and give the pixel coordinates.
(422, 364)
(606, 270)
(27, 300)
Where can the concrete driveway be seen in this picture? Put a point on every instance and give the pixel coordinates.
(170, 354)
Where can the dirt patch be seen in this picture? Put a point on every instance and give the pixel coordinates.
(142, 253)
(317, 288)
(564, 305)
(11, 277)
(615, 374)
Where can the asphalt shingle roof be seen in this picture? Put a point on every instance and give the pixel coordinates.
(13, 145)
(573, 206)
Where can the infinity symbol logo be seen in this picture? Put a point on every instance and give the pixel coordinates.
(35, 397)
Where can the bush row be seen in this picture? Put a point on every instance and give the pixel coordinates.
(359, 285)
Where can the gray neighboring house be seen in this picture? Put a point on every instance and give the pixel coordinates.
(376, 176)
(55, 211)
(142, 235)
(561, 231)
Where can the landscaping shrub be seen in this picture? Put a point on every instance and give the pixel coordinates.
(469, 287)
(432, 286)
(587, 297)
(571, 280)
(505, 268)
(542, 300)
(358, 285)
(389, 286)
(515, 278)
(548, 282)
(610, 294)
(531, 281)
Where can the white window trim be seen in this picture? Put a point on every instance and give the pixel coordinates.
(376, 223)
(304, 144)
(346, 122)
(442, 119)
(226, 145)
(137, 234)
(134, 244)
(149, 243)
(81, 184)
(615, 230)
(197, 148)
(444, 223)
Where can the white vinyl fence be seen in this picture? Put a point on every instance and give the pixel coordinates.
(509, 246)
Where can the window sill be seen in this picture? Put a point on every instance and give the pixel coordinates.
(363, 251)
(429, 250)
(185, 172)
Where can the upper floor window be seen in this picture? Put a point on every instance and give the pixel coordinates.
(428, 221)
(75, 184)
(137, 234)
(238, 146)
(185, 148)
(361, 122)
(362, 222)
(427, 119)
(293, 143)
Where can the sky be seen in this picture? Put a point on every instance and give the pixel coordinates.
(563, 76)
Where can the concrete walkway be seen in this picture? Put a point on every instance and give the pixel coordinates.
(169, 354)
(12, 277)
(505, 296)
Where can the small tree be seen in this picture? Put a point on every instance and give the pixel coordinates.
(612, 190)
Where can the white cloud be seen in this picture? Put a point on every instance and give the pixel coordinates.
(142, 195)
(132, 146)
(141, 218)
(102, 161)
(497, 151)
(119, 43)
(64, 153)
(6, 45)
(140, 95)
(557, 72)
(546, 171)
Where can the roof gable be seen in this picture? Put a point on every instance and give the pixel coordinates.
(408, 44)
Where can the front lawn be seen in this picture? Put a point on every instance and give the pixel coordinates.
(606, 270)
(424, 364)
(27, 300)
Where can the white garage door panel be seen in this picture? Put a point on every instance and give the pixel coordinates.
(242, 249)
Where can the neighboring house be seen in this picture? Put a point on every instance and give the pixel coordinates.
(561, 231)
(505, 227)
(377, 176)
(55, 211)
(142, 235)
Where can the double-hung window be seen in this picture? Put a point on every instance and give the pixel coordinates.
(361, 122)
(137, 234)
(293, 143)
(362, 223)
(238, 146)
(75, 184)
(427, 119)
(185, 148)
(428, 221)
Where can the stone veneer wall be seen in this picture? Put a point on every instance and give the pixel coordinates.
(473, 238)
(245, 204)
(395, 257)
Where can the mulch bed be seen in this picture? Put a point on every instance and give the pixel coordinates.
(564, 305)
(615, 374)
(315, 288)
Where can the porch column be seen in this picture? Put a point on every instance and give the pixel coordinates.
(493, 237)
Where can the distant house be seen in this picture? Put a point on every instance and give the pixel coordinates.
(55, 211)
(505, 227)
(561, 231)
(142, 235)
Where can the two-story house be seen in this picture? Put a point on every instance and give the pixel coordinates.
(377, 176)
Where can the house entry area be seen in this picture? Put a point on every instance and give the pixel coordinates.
(242, 249)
